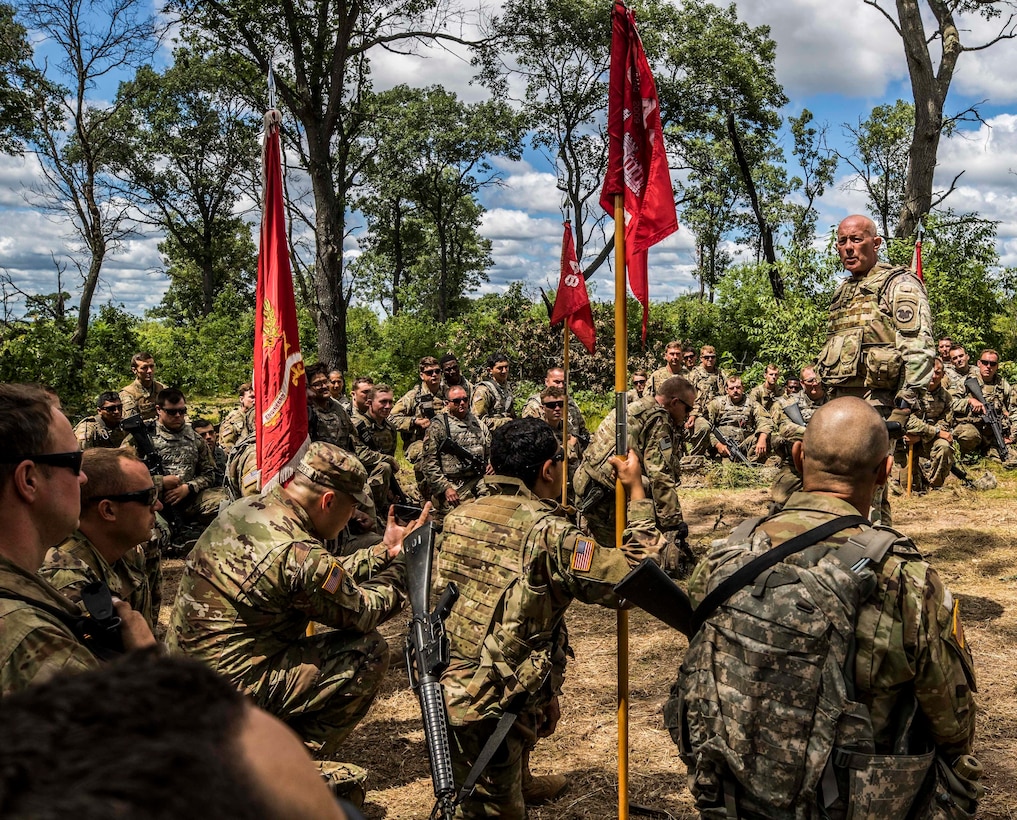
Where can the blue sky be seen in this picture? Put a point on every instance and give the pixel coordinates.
(837, 59)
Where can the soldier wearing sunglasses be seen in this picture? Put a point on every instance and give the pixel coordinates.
(534, 406)
(40, 502)
(413, 413)
(103, 429)
(118, 506)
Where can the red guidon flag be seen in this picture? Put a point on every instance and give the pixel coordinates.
(572, 302)
(279, 382)
(916, 258)
(636, 159)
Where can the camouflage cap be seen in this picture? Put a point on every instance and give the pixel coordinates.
(335, 468)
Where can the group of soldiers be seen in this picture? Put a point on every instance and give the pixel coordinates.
(525, 506)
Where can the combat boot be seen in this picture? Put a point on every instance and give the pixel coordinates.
(543, 788)
(345, 780)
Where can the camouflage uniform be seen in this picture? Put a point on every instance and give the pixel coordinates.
(953, 379)
(633, 395)
(708, 387)
(765, 398)
(787, 432)
(443, 469)
(35, 645)
(76, 562)
(185, 454)
(219, 459)
(137, 400)
(910, 645)
(257, 578)
(492, 403)
(93, 432)
(464, 383)
(740, 423)
(234, 427)
(935, 414)
(518, 563)
(332, 424)
(972, 432)
(653, 436)
(418, 403)
(534, 409)
(242, 477)
(879, 344)
(375, 447)
(661, 375)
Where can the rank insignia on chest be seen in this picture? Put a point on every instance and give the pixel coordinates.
(582, 555)
(333, 579)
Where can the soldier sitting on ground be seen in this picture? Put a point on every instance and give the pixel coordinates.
(118, 506)
(207, 431)
(534, 407)
(40, 502)
(638, 386)
(413, 413)
(457, 449)
(327, 419)
(928, 433)
(742, 422)
(234, 427)
(493, 398)
(103, 429)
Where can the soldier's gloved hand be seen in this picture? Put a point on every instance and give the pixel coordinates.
(900, 415)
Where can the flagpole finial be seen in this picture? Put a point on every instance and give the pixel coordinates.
(271, 87)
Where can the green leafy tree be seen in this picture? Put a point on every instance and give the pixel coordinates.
(20, 83)
(932, 55)
(188, 144)
(817, 166)
(880, 159)
(75, 134)
(320, 55)
(433, 151)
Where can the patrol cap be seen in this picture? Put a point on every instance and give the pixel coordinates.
(333, 467)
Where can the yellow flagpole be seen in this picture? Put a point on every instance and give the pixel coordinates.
(621, 356)
(565, 422)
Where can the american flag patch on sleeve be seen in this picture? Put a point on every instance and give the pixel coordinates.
(333, 579)
(582, 555)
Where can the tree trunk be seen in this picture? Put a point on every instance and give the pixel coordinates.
(929, 88)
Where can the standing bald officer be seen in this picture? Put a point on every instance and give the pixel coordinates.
(879, 344)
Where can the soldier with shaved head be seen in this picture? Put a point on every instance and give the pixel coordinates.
(902, 738)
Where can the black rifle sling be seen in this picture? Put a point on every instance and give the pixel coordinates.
(748, 573)
(79, 625)
(490, 747)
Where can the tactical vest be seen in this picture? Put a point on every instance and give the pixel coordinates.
(469, 438)
(763, 711)
(734, 419)
(486, 554)
(594, 468)
(860, 349)
(502, 398)
(708, 385)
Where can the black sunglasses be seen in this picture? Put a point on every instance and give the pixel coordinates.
(988, 364)
(112, 408)
(639, 381)
(177, 411)
(554, 404)
(460, 400)
(72, 460)
(147, 497)
(432, 372)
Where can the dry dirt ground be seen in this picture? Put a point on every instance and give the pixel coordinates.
(969, 537)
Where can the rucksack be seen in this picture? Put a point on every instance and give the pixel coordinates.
(763, 710)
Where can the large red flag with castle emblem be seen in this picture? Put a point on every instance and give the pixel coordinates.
(636, 159)
(279, 382)
(572, 302)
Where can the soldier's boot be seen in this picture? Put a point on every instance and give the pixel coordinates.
(541, 789)
(345, 780)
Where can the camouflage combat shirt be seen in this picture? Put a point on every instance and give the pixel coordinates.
(533, 409)
(519, 562)
(35, 645)
(909, 635)
(76, 562)
(234, 427)
(443, 468)
(137, 400)
(661, 375)
(655, 439)
(374, 441)
(741, 423)
(492, 403)
(259, 575)
(418, 403)
(331, 423)
(93, 432)
(185, 454)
